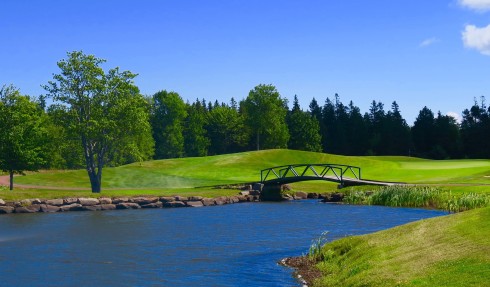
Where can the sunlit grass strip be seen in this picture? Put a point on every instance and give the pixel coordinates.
(418, 196)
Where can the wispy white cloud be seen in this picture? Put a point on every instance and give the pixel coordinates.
(477, 38)
(479, 5)
(456, 116)
(428, 42)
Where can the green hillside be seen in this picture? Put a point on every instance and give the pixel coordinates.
(245, 167)
(446, 251)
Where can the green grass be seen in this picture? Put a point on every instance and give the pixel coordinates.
(187, 173)
(445, 251)
(418, 196)
(245, 167)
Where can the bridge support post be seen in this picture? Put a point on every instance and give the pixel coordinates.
(272, 192)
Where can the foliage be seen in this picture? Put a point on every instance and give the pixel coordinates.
(196, 141)
(418, 196)
(22, 133)
(475, 130)
(105, 112)
(315, 251)
(265, 114)
(167, 121)
(304, 130)
(227, 131)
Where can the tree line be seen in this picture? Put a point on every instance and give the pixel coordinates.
(98, 118)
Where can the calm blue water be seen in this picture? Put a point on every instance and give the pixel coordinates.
(232, 245)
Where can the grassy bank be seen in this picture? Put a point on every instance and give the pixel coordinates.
(452, 250)
(184, 175)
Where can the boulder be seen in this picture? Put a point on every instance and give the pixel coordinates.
(55, 202)
(28, 209)
(301, 195)
(144, 200)
(174, 204)
(118, 200)
(195, 198)
(244, 192)
(2, 203)
(208, 201)
(6, 209)
(50, 208)
(157, 204)
(247, 187)
(234, 199)
(333, 197)
(181, 198)
(254, 192)
(68, 201)
(242, 198)
(257, 186)
(313, 195)
(219, 201)
(88, 201)
(194, 203)
(127, 205)
(91, 208)
(108, 206)
(36, 201)
(167, 199)
(105, 200)
(71, 207)
(24, 202)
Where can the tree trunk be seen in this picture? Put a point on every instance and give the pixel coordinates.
(11, 173)
(94, 181)
(258, 140)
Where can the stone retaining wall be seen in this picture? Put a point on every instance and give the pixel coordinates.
(108, 203)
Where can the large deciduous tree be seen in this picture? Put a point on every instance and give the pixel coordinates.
(105, 112)
(167, 119)
(22, 133)
(265, 113)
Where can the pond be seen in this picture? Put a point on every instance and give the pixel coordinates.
(231, 245)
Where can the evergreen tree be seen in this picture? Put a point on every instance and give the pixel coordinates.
(447, 138)
(304, 130)
(475, 130)
(395, 133)
(196, 141)
(423, 132)
(226, 130)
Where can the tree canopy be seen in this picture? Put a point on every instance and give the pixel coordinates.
(22, 133)
(105, 112)
(265, 113)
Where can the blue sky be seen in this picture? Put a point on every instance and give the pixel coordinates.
(419, 53)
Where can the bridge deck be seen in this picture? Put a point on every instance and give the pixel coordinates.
(327, 172)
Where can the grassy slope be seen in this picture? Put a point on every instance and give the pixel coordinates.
(245, 167)
(446, 251)
(183, 175)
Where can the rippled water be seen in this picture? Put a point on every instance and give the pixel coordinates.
(231, 245)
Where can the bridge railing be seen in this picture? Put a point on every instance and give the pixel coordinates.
(337, 171)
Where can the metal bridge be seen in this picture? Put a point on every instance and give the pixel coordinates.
(345, 175)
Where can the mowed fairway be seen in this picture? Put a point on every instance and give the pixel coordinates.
(245, 167)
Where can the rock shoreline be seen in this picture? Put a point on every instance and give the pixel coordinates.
(113, 203)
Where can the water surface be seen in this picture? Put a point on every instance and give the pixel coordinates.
(231, 245)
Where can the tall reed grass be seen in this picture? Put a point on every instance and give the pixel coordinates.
(418, 196)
